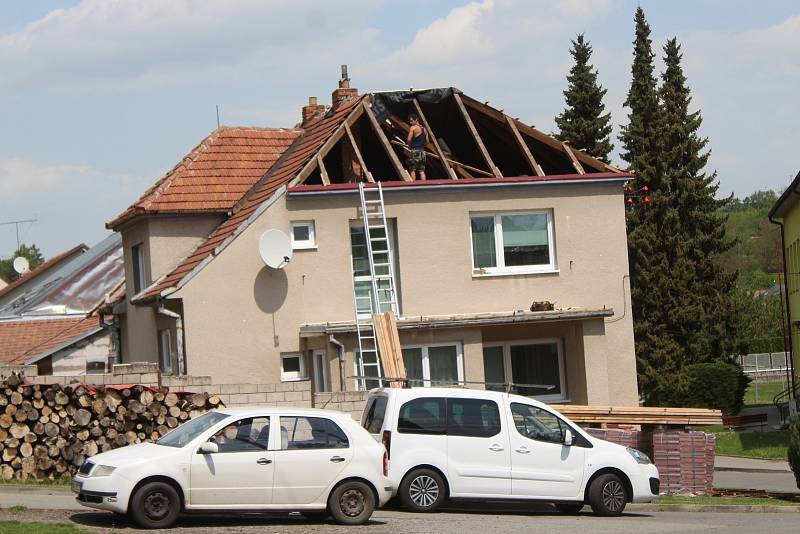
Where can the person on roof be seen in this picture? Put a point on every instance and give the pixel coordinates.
(417, 139)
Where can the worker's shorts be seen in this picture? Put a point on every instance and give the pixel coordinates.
(416, 160)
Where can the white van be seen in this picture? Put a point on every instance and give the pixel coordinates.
(447, 443)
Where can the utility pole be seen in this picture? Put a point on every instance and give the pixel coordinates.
(16, 224)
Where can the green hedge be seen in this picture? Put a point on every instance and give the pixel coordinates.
(716, 385)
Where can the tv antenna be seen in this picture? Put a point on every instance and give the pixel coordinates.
(16, 224)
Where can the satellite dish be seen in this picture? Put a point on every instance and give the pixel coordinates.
(21, 265)
(275, 249)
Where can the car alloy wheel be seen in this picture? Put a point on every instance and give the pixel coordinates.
(423, 491)
(613, 496)
(352, 502)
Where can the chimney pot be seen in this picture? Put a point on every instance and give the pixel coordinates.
(312, 111)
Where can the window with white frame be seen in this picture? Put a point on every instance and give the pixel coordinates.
(292, 367)
(513, 242)
(320, 371)
(303, 236)
(165, 351)
(362, 281)
(434, 365)
(137, 259)
(537, 364)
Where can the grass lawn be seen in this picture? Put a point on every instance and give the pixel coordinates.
(753, 444)
(711, 499)
(15, 527)
(760, 393)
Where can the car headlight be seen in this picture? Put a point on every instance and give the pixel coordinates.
(639, 456)
(102, 471)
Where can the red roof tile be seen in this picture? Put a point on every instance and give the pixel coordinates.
(293, 161)
(43, 267)
(22, 340)
(215, 175)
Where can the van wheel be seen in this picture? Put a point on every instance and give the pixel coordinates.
(607, 495)
(423, 490)
(571, 508)
(155, 505)
(352, 503)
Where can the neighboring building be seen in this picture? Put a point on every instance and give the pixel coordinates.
(786, 214)
(510, 217)
(50, 317)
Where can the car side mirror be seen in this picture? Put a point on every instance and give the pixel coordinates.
(209, 447)
(568, 437)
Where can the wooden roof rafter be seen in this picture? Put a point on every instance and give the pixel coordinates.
(401, 171)
(477, 138)
(460, 168)
(357, 152)
(523, 146)
(442, 158)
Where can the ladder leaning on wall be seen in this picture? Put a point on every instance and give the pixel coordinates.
(382, 295)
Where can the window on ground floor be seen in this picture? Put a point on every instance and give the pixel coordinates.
(535, 368)
(434, 365)
(292, 367)
(165, 351)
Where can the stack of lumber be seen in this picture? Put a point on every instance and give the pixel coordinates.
(640, 415)
(47, 431)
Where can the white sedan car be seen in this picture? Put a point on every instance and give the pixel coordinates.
(315, 462)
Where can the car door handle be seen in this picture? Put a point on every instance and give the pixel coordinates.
(337, 459)
(523, 450)
(263, 461)
(496, 448)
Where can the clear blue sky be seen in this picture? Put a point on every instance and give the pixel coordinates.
(101, 97)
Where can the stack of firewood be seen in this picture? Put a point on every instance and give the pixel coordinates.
(47, 431)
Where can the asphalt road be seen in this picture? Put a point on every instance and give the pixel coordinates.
(461, 522)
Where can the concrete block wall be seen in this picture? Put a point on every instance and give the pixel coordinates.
(351, 402)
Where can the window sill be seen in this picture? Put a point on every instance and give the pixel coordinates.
(295, 379)
(304, 247)
(491, 274)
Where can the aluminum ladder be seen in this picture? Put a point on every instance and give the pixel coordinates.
(382, 295)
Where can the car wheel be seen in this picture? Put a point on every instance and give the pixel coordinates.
(607, 495)
(155, 505)
(571, 508)
(352, 503)
(423, 490)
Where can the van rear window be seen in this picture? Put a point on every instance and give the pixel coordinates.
(374, 414)
(422, 416)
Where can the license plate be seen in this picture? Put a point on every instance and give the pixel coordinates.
(76, 486)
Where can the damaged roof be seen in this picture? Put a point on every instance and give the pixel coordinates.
(362, 139)
(215, 174)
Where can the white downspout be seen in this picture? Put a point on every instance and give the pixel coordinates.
(342, 379)
(179, 335)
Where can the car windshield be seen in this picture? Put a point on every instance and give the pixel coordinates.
(191, 429)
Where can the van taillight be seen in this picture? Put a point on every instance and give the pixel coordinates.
(386, 439)
(385, 464)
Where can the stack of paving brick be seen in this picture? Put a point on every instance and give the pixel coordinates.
(685, 461)
(635, 439)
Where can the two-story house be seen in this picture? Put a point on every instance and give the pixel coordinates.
(507, 216)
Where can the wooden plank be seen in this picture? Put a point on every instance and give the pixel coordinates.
(471, 127)
(457, 164)
(322, 172)
(401, 172)
(309, 167)
(575, 162)
(542, 137)
(447, 169)
(358, 153)
(391, 355)
(535, 167)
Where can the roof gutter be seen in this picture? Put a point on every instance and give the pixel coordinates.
(455, 185)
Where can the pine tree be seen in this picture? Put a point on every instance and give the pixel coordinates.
(658, 353)
(582, 124)
(705, 315)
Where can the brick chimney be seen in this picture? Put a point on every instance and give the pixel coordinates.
(344, 92)
(312, 111)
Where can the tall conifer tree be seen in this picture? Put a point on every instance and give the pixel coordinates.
(703, 318)
(583, 124)
(658, 354)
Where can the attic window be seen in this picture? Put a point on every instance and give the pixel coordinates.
(303, 235)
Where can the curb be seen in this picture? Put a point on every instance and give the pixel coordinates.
(722, 508)
(752, 470)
